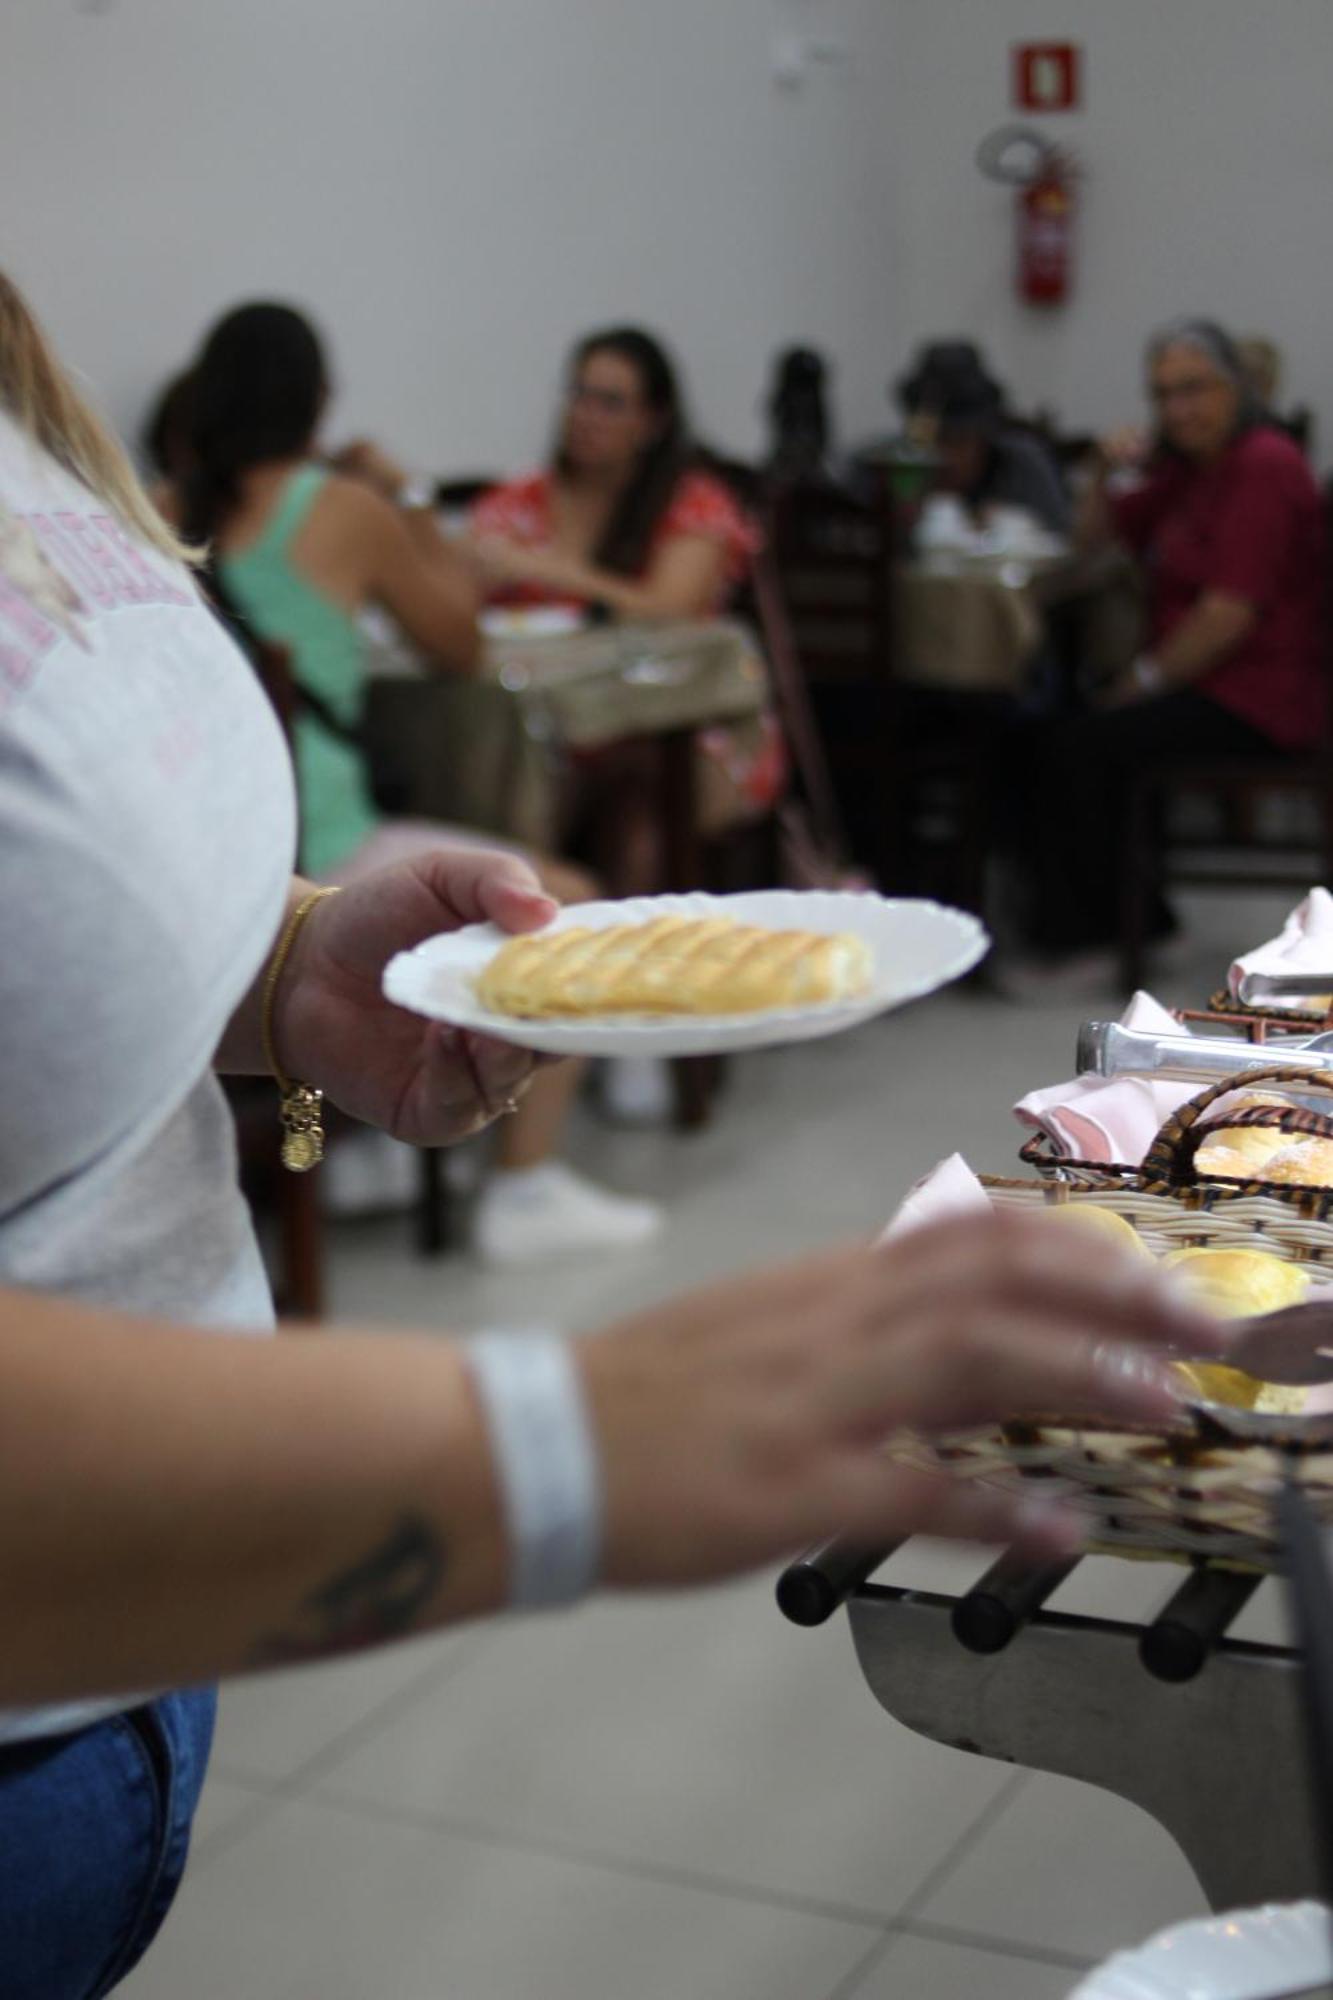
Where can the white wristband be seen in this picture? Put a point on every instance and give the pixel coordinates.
(1148, 675)
(546, 1457)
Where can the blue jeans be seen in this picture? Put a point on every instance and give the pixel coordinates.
(94, 1830)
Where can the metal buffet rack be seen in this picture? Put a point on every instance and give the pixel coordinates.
(1202, 1730)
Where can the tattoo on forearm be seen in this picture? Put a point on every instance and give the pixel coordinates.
(381, 1597)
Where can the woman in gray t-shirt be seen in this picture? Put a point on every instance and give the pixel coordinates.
(174, 1505)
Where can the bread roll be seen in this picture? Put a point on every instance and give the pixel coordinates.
(1237, 1284)
(674, 965)
(1221, 1163)
(1254, 1145)
(1102, 1222)
(1239, 1391)
(1302, 1163)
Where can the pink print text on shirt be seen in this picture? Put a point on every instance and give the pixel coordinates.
(54, 566)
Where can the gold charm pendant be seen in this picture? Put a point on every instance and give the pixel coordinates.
(302, 1131)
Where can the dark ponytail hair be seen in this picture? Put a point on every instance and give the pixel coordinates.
(256, 392)
(624, 547)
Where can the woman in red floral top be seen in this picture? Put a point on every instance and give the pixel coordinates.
(624, 517)
(626, 520)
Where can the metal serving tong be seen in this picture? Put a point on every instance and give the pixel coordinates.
(1256, 987)
(1107, 1049)
(1294, 1345)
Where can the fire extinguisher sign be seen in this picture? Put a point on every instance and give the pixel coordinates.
(1048, 76)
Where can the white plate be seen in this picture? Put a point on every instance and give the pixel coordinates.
(1244, 1955)
(916, 947)
(539, 621)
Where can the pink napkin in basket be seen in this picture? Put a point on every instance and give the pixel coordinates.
(1109, 1117)
(949, 1189)
(1304, 944)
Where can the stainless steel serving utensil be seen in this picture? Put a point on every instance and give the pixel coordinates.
(1293, 1346)
(1256, 987)
(1107, 1049)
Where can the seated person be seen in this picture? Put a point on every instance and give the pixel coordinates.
(800, 425)
(624, 516)
(166, 439)
(1263, 364)
(1262, 361)
(626, 519)
(299, 553)
(956, 411)
(1223, 514)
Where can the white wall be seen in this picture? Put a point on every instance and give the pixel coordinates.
(1208, 142)
(457, 187)
(454, 188)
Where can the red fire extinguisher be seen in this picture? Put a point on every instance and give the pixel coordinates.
(1044, 177)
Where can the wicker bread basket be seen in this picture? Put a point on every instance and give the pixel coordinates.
(1202, 1491)
(1168, 1166)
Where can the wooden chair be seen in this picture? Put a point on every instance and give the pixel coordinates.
(800, 726)
(1241, 854)
(833, 554)
(294, 1198)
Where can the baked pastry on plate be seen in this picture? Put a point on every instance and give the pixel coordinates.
(673, 965)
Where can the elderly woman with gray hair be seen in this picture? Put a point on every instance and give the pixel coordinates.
(1224, 516)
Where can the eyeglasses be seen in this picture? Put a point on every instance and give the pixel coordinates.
(611, 402)
(1192, 390)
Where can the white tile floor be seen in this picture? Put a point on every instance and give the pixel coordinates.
(683, 1799)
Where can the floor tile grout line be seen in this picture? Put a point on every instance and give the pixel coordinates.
(851, 1982)
(900, 1924)
(239, 1827)
(612, 1864)
(937, 1876)
(269, 1797)
(1040, 1954)
(267, 1800)
(246, 1781)
(346, 1740)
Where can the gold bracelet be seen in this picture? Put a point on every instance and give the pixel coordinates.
(299, 1105)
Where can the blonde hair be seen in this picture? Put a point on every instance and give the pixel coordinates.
(39, 395)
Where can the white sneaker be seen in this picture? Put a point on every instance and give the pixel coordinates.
(550, 1211)
(368, 1173)
(636, 1090)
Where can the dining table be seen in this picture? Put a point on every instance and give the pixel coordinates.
(979, 622)
(582, 690)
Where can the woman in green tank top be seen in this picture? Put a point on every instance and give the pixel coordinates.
(300, 552)
(327, 652)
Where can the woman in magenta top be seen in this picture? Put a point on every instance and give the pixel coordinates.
(1226, 521)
